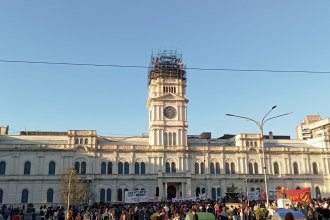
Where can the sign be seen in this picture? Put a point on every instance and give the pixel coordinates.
(297, 195)
(136, 196)
(193, 199)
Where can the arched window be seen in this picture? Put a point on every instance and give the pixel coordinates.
(227, 169)
(77, 166)
(25, 196)
(109, 167)
(315, 169)
(196, 168)
(167, 167)
(143, 168)
(50, 195)
(217, 168)
(256, 171)
(83, 167)
(198, 191)
(51, 168)
(126, 168)
(248, 144)
(120, 195)
(202, 168)
(214, 194)
(170, 139)
(232, 167)
(108, 195)
(250, 168)
(86, 140)
(255, 144)
(120, 168)
(173, 167)
(137, 168)
(103, 167)
(174, 138)
(203, 190)
(27, 168)
(295, 168)
(1, 195)
(276, 169)
(211, 168)
(76, 141)
(80, 141)
(2, 168)
(102, 195)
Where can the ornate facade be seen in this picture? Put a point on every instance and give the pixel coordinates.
(167, 162)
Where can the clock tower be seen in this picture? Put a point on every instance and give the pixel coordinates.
(167, 101)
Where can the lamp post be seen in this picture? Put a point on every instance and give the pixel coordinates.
(261, 128)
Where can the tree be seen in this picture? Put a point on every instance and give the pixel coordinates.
(73, 190)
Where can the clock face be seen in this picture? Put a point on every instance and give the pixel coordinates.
(170, 112)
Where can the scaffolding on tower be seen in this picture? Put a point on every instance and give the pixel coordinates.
(166, 64)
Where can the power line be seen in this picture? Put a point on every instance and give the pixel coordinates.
(146, 67)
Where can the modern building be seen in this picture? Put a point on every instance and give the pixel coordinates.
(314, 129)
(167, 162)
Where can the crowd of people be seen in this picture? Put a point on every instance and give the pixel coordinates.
(314, 210)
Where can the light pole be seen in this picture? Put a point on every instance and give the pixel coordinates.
(261, 127)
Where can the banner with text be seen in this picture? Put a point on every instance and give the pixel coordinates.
(136, 196)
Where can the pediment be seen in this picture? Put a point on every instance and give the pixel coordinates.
(169, 97)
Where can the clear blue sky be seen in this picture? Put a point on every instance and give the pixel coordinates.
(283, 35)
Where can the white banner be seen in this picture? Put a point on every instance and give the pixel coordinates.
(184, 199)
(136, 196)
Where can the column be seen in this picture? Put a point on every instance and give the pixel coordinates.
(325, 171)
(161, 189)
(288, 166)
(183, 189)
(152, 165)
(162, 167)
(208, 189)
(269, 166)
(158, 164)
(40, 165)
(180, 164)
(160, 136)
(188, 188)
(239, 170)
(184, 164)
(165, 190)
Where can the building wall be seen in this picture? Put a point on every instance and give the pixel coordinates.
(184, 178)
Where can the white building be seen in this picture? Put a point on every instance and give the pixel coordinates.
(314, 129)
(167, 162)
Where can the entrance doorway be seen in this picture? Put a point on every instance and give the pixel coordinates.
(171, 192)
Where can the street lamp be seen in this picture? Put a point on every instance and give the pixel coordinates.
(261, 127)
